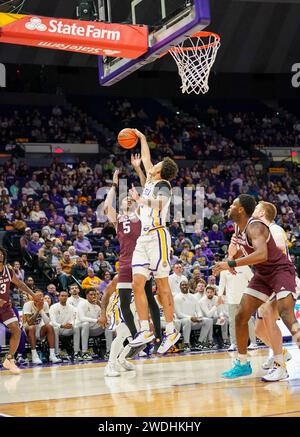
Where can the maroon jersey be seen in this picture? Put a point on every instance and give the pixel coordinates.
(276, 261)
(5, 280)
(128, 231)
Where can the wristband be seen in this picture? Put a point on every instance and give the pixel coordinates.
(231, 263)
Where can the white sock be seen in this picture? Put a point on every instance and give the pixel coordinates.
(170, 327)
(279, 359)
(243, 358)
(124, 352)
(52, 352)
(34, 353)
(271, 353)
(145, 325)
(115, 349)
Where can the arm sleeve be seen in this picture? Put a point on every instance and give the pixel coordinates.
(81, 314)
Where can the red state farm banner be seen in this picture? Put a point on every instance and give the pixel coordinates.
(93, 38)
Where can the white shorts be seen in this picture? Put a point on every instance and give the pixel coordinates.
(114, 313)
(152, 254)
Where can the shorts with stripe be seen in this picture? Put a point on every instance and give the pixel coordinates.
(152, 254)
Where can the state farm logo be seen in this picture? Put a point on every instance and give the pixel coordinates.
(35, 23)
(59, 27)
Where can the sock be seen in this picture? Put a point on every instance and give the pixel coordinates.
(170, 327)
(115, 349)
(271, 353)
(145, 325)
(124, 352)
(242, 358)
(279, 359)
(52, 352)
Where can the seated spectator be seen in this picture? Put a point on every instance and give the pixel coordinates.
(89, 319)
(213, 282)
(218, 216)
(55, 257)
(74, 298)
(85, 260)
(28, 190)
(19, 272)
(84, 226)
(30, 283)
(199, 291)
(57, 219)
(199, 257)
(66, 263)
(101, 266)
(36, 322)
(196, 278)
(44, 252)
(48, 300)
(79, 271)
(186, 254)
(175, 229)
(63, 318)
(82, 244)
(72, 252)
(49, 229)
(206, 251)
(36, 214)
(69, 225)
(104, 283)
(33, 183)
(213, 308)
(34, 244)
(176, 278)
(62, 278)
(109, 252)
(173, 258)
(181, 240)
(215, 236)
(52, 293)
(188, 312)
(198, 235)
(71, 209)
(91, 280)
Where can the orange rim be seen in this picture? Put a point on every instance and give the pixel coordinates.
(199, 35)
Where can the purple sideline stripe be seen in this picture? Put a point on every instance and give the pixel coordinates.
(201, 20)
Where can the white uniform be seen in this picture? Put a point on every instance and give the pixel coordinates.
(152, 251)
(42, 319)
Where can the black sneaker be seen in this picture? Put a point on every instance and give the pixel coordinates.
(77, 357)
(87, 357)
(135, 351)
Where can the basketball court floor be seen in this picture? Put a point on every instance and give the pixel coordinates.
(177, 386)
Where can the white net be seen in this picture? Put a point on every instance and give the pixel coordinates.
(194, 58)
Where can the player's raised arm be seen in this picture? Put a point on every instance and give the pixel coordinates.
(145, 151)
(108, 204)
(136, 164)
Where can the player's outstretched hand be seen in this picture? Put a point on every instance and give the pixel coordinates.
(134, 194)
(136, 160)
(219, 267)
(116, 177)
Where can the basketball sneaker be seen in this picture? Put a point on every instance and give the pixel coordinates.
(111, 370)
(168, 341)
(277, 373)
(134, 351)
(269, 364)
(231, 348)
(238, 370)
(9, 364)
(54, 359)
(252, 347)
(142, 337)
(126, 365)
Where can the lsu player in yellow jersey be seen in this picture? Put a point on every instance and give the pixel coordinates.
(151, 254)
(266, 327)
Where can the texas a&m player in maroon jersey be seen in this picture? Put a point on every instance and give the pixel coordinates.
(7, 315)
(274, 274)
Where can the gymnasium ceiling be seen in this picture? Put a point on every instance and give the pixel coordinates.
(258, 36)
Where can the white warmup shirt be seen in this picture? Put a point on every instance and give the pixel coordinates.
(62, 314)
(186, 306)
(234, 285)
(74, 301)
(88, 312)
(30, 309)
(210, 309)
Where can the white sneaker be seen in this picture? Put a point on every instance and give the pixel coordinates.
(54, 359)
(142, 354)
(232, 348)
(111, 370)
(142, 337)
(11, 366)
(36, 360)
(269, 364)
(168, 341)
(276, 374)
(252, 347)
(126, 365)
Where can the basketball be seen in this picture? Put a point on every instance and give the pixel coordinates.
(127, 138)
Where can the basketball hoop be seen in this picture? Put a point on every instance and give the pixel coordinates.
(195, 61)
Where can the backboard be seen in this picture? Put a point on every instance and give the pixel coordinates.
(169, 22)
